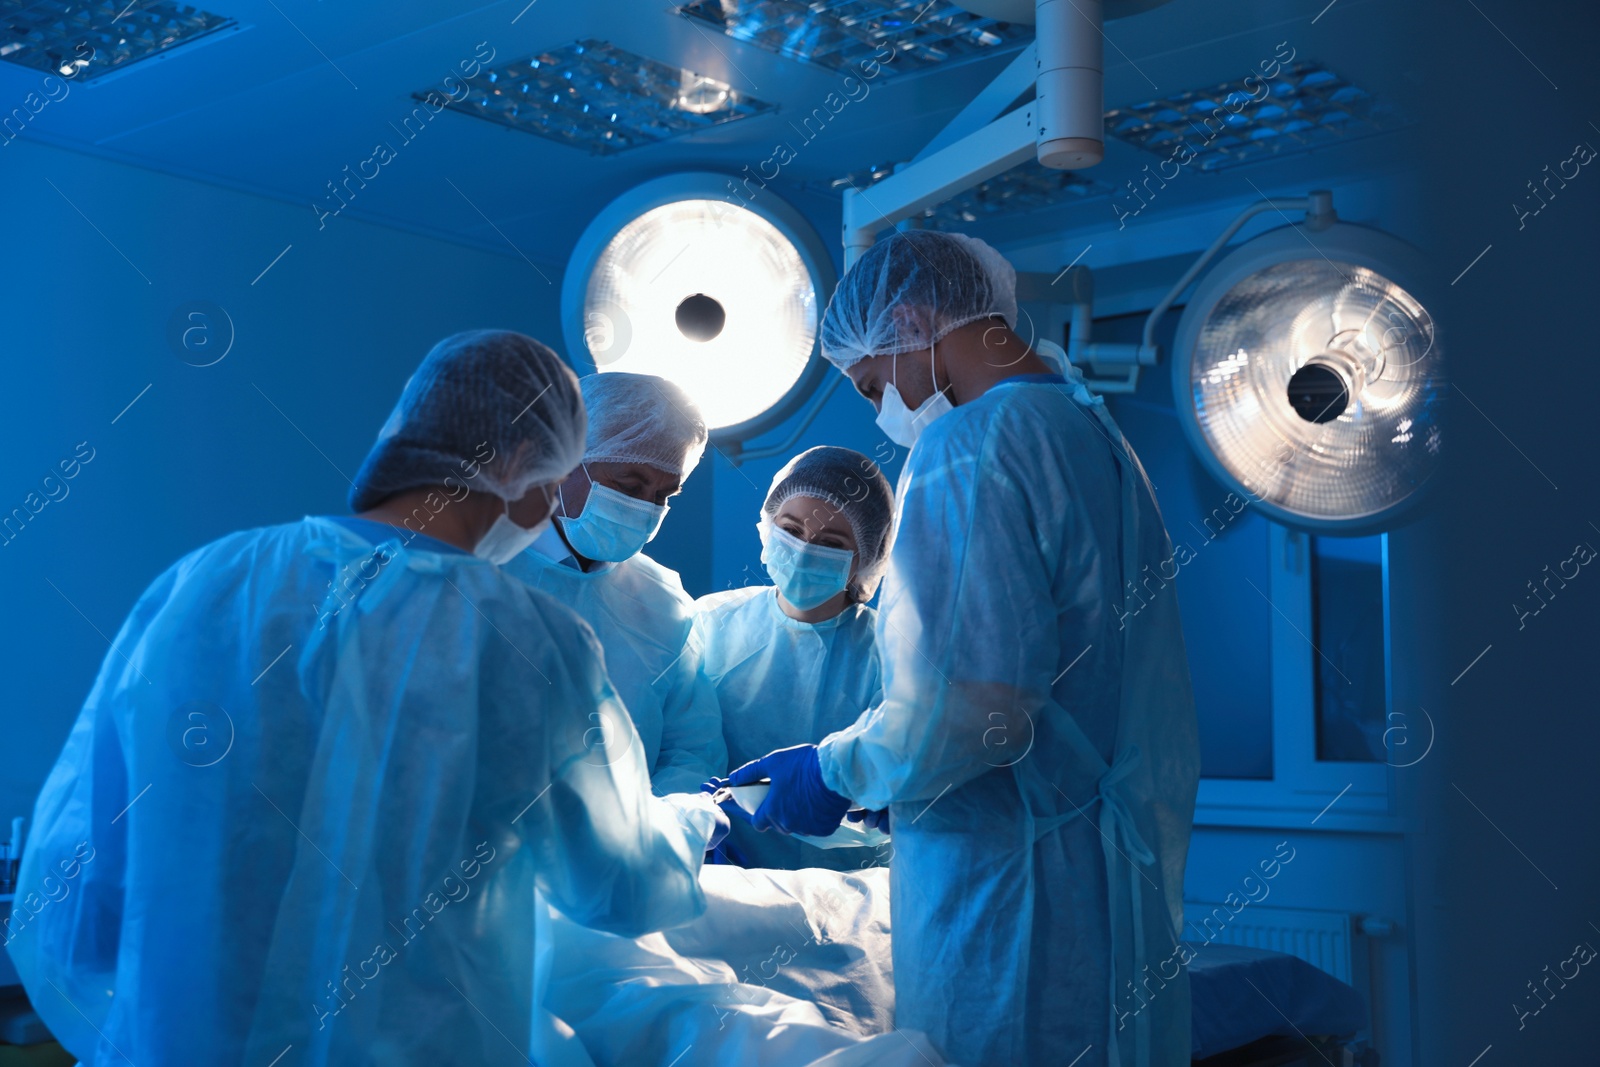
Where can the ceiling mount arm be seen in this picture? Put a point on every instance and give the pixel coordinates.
(995, 99)
(1062, 127)
(980, 155)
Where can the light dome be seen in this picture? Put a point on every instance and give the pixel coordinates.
(1310, 379)
(718, 297)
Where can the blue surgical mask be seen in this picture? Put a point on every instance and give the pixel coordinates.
(807, 575)
(614, 526)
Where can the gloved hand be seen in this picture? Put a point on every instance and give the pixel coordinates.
(871, 820)
(729, 806)
(800, 801)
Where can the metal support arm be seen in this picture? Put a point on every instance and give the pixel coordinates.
(995, 99)
(980, 155)
(1318, 206)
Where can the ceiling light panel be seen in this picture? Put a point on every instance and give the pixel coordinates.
(838, 34)
(1305, 106)
(596, 96)
(88, 40)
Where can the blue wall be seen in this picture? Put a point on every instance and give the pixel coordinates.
(1510, 870)
(324, 340)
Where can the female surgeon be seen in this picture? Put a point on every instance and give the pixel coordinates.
(796, 661)
(327, 765)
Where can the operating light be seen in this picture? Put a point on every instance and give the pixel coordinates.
(719, 297)
(1309, 378)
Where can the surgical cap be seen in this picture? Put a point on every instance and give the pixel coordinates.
(851, 483)
(492, 409)
(640, 418)
(907, 291)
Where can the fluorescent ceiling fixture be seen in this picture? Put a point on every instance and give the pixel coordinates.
(1306, 106)
(596, 96)
(87, 40)
(1311, 382)
(710, 295)
(1030, 186)
(838, 34)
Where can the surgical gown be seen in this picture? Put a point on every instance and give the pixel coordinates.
(643, 618)
(1036, 740)
(309, 802)
(783, 682)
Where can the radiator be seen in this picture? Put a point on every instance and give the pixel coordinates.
(1321, 938)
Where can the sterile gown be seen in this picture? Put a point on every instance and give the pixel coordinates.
(643, 618)
(320, 783)
(783, 682)
(1037, 740)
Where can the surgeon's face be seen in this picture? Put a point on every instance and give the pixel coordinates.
(638, 480)
(534, 506)
(817, 522)
(910, 372)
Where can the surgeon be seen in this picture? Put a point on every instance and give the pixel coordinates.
(796, 660)
(645, 437)
(1036, 741)
(327, 765)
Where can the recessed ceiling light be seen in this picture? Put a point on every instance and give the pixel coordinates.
(921, 33)
(88, 40)
(596, 96)
(1303, 106)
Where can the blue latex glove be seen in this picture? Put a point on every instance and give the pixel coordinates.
(800, 802)
(872, 820)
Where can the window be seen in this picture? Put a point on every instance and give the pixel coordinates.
(1286, 636)
(1347, 628)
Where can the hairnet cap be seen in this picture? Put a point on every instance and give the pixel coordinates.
(640, 418)
(907, 291)
(853, 484)
(492, 409)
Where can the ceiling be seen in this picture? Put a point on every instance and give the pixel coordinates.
(304, 89)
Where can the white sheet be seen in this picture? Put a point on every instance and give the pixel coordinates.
(784, 967)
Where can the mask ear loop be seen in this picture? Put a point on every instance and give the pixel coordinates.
(562, 496)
